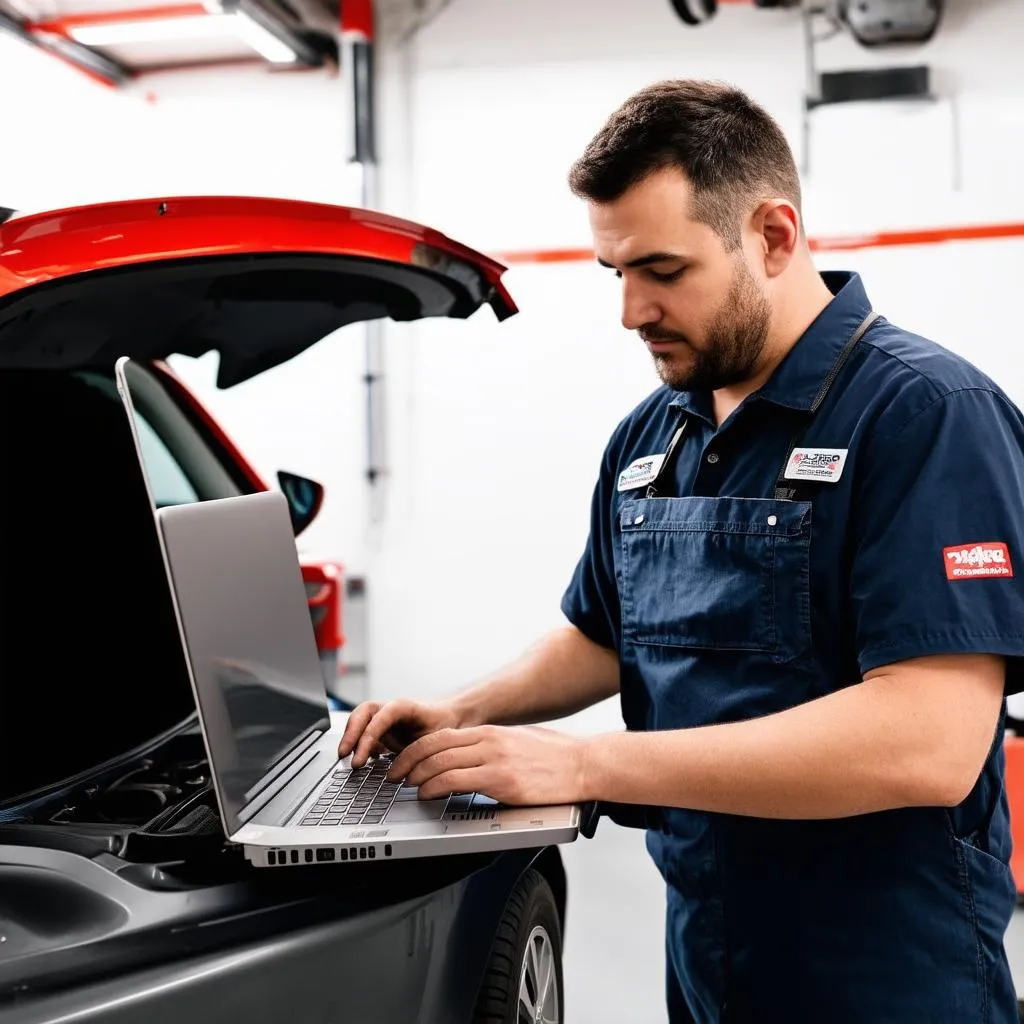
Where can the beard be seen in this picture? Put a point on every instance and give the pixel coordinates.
(732, 345)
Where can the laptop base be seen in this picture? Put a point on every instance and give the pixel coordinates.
(360, 851)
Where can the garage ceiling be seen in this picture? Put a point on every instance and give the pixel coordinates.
(115, 40)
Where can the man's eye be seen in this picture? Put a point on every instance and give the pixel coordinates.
(672, 275)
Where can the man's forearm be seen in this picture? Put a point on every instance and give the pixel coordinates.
(885, 743)
(564, 673)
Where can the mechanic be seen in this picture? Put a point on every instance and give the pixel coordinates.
(800, 577)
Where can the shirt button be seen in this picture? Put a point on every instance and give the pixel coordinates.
(772, 520)
(712, 458)
(638, 520)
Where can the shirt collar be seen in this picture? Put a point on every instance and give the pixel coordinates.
(798, 378)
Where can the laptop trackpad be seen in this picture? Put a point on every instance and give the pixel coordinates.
(412, 811)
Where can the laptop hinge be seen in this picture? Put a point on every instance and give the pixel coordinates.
(275, 781)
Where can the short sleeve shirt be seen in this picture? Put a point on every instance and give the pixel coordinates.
(917, 546)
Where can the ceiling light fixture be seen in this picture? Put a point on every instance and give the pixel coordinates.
(236, 25)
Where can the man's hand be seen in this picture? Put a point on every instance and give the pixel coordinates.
(374, 726)
(513, 765)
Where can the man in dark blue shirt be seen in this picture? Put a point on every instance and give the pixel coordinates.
(800, 578)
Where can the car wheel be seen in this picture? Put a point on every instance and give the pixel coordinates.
(523, 980)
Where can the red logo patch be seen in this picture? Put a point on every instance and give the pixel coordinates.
(983, 558)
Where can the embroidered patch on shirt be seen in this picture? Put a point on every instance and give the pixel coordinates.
(969, 561)
(823, 464)
(640, 472)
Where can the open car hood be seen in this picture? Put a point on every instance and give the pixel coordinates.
(257, 280)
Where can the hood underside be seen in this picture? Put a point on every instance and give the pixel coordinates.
(257, 309)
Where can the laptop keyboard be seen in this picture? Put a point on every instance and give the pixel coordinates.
(357, 796)
(363, 796)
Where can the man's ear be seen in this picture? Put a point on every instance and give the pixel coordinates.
(777, 226)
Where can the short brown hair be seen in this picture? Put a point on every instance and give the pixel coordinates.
(731, 150)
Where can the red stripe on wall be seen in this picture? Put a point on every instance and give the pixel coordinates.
(920, 236)
(837, 243)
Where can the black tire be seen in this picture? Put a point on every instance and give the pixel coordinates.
(531, 913)
(695, 12)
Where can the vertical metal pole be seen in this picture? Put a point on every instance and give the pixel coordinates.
(358, 66)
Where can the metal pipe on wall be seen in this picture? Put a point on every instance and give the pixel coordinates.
(356, 58)
(357, 61)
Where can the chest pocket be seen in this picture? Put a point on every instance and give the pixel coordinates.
(717, 573)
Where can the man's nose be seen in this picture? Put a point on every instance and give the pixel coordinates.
(637, 307)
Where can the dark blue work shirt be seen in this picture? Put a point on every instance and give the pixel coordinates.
(725, 601)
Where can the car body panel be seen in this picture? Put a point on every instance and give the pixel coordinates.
(42, 247)
(124, 950)
(258, 280)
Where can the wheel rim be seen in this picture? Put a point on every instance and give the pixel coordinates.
(538, 981)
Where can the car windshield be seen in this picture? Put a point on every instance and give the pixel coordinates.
(90, 659)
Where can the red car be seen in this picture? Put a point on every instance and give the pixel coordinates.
(259, 281)
(118, 896)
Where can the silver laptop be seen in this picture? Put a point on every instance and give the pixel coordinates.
(283, 793)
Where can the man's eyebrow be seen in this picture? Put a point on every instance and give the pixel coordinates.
(643, 261)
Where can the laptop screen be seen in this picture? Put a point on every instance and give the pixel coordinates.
(249, 638)
(247, 633)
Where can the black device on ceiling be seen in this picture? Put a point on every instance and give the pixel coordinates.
(882, 22)
(870, 22)
(696, 12)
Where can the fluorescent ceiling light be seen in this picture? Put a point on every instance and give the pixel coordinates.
(262, 40)
(202, 26)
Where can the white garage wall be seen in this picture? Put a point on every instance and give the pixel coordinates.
(495, 431)
(245, 131)
(516, 90)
